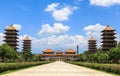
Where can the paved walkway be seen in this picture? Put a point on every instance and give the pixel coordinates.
(58, 69)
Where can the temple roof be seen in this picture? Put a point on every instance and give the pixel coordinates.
(11, 27)
(92, 39)
(70, 50)
(108, 28)
(48, 50)
(26, 38)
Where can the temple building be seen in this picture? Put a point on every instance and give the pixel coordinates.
(92, 45)
(108, 38)
(49, 55)
(27, 43)
(11, 37)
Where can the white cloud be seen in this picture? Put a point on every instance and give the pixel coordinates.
(17, 26)
(94, 31)
(51, 7)
(57, 29)
(104, 3)
(60, 14)
(1, 38)
(61, 42)
(65, 41)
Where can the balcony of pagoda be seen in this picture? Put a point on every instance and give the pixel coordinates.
(11, 40)
(92, 48)
(92, 44)
(108, 40)
(108, 33)
(108, 37)
(25, 44)
(11, 36)
(9, 33)
(107, 30)
(12, 43)
(11, 30)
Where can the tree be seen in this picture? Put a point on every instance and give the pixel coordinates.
(6, 52)
(27, 55)
(35, 58)
(82, 57)
(118, 45)
(114, 54)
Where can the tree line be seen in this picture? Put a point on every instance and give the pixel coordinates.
(112, 56)
(8, 54)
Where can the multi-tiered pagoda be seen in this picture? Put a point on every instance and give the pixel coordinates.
(108, 38)
(92, 45)
(27, 44)
(11, 37)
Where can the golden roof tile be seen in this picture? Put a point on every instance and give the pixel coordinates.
(48, 50)
(11, 27)
(108, 28)
(26, 38)
(70, 50)
(92, 39)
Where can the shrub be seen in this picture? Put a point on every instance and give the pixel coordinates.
(114, 68)
(14, 66)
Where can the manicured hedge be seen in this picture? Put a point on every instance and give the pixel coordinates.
(114, 68)
(14, 66)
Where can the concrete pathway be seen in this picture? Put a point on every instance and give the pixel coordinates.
(58, 69)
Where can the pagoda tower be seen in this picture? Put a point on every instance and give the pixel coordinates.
(92, 45)
(27, 43)
(108, 38)
(11, 37)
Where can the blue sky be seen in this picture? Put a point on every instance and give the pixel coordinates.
(59, 24)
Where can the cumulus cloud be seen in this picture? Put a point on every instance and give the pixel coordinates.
(94, 31)
(1, 38)
(65, 41)
(60, 14)
(61, 42)
(104, 3)
(57, 29)
(51, 7)
(17, 26)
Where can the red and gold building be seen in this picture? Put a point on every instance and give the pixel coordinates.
(108, 38)
(11, 37)
(27, 43)
(49, 54)
(92, 45)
